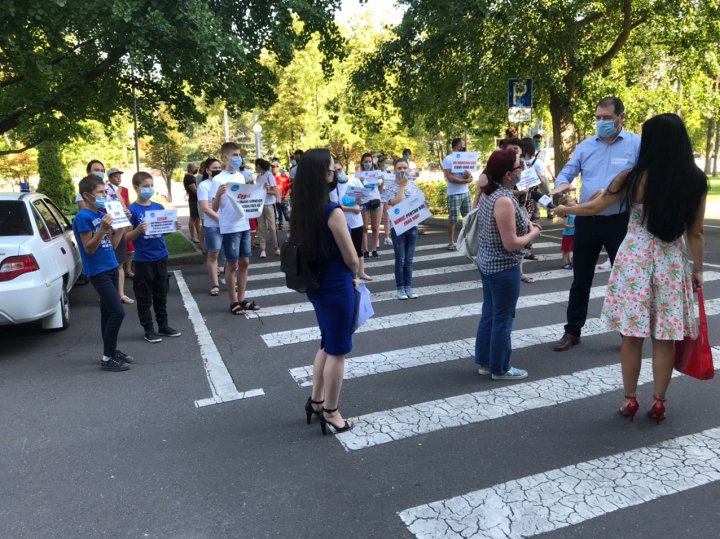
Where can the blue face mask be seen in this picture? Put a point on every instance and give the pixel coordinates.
(342, 178)
(367, 166)
(99, 203)
(236, 162)
(293, 163)
(99, 173)
(538, 145)
(147, 192)
(605, 128)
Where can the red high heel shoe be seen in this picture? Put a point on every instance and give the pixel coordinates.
(657, 410)
(630, 408)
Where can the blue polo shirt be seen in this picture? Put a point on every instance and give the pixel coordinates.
(599, 163)
(103, 259)
(147, 248)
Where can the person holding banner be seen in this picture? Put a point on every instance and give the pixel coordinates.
(151, 260)
(266, 222)
(371, 210)
(403, 244)
(320, 228)
(506, 232)
(458, 191)
(235, 230)
(211, 228)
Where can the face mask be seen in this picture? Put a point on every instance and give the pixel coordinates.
(605, 128)
(342, 178)
(236, 162)
(399, 175)
(463, 149)
(214, 173)
(333, 184)
(293, 162)
(367, 166)
(99, 202)
(147, 192)
(538, 145)
(99, 173)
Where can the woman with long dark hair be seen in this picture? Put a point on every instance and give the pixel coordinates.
(650, 291)
(206, 191)
(320, 228)
(506, 231)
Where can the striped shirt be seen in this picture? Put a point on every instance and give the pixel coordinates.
(492, 257)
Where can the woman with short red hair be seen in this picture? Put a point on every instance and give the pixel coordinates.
(506, 231)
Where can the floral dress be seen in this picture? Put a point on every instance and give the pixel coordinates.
(650, 292)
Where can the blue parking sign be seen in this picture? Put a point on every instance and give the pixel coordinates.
(520, 93)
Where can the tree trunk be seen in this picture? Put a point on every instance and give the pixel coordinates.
(564, 130)
(709, 144)
(168, 183)
(716, 149)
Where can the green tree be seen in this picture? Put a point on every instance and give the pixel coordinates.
(64, 61)
(165, 152)
(55, 179)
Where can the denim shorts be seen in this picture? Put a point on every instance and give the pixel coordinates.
(213, 238)
(236, 245)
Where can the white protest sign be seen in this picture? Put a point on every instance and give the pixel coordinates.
(371, 179)
(116, 211)
(409, 213)
(462, 161)
(528, 178)
(249, 197)
(363, 193)
(160, 222)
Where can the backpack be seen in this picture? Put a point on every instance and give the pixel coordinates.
(469, 237)
(299, 273)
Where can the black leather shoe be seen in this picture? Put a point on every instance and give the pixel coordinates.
(567, 342)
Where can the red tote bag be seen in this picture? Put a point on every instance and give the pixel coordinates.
(693, 357)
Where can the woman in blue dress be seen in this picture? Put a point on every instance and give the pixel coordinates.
(321, 230)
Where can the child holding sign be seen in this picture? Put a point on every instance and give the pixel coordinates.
(151, 260)
(403, 244)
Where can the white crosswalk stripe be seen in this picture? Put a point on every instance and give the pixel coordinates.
(383, 427)
(461, 286)
(559, 498)
(417, 356)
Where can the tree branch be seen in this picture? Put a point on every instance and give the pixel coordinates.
(21, 150)
(593, 17)
(621, 39)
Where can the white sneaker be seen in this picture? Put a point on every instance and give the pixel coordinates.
(511, 374)
(401, 294)
(605, 265)
(409, 293)
(483, 370)
(388, 241)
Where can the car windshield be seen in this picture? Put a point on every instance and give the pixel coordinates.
(14, 220)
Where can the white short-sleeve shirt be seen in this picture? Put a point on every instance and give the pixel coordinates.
(454, 188)
(206, 191)
(229, 221)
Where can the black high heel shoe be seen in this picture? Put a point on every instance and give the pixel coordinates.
(309, 410)
(334, 428)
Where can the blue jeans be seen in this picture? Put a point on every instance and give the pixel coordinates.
(501, 291)
(236, 245)
(404, 246)
(111, 310)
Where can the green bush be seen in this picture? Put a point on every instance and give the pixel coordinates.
(55, 180)
(436, 194)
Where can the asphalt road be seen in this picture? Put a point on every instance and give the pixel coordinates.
(144, 453)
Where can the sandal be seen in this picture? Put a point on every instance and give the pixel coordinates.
(532, 257)
(126, 300)
(237, 309)
(215, 290)
(262, 254)
(249, 305)
(366, 278)
(527, 279)
(451, 247)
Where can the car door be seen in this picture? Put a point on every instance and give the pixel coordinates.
(74, 261)
(55, 249)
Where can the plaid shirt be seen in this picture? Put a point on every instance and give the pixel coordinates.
(492, 257)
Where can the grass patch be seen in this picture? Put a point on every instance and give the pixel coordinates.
(178, 244)
(714, 186)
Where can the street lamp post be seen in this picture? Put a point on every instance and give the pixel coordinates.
(257, 129)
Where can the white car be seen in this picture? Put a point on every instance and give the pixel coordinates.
(39, 261)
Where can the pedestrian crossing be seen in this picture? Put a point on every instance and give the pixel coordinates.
(526, 505)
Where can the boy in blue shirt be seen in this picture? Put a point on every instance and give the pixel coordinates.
(97, 242)
(151, 279)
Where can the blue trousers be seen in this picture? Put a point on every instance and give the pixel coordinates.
(501, 291)
(404, 246)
